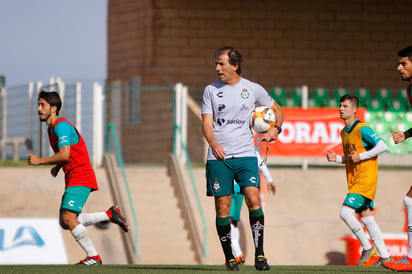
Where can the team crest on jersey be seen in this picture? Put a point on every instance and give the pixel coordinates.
(216, 185)
(244, 94)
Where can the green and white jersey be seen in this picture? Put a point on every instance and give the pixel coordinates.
(232, 106)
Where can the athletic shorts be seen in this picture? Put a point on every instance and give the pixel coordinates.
(358, 202)
(74, 198)
(221, 174)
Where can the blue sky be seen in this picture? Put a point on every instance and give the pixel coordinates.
(40, 39)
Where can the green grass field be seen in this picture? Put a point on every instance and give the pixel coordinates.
(70, 269)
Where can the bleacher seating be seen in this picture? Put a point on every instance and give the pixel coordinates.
(384, 97)
(364, 96)
(296, 98)
(279, 95)
(385, 110)
(334, 102)
(375, 105)
(320, 97)
(402, 98)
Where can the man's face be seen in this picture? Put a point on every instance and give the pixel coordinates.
(225, 71)
(347, 110)
(405, 68)
(44, 109)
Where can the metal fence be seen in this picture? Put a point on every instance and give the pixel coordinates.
(21, 132)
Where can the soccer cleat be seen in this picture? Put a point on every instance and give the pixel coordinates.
(261, 263)
(240, 259)
(231, 265)
(404, 264)
(381, 261)
(117, 218)
(95, 260)
(366, 255)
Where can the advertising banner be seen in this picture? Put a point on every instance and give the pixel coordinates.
(308, 133)
(31, 241)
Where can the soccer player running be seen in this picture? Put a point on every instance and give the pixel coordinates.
(361, 147)
(405, 70)
(80, 180)
(236, 207)
(226, 108)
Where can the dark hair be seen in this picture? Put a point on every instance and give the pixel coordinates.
(354, 100)
(406, 52)
(51, 97)
(235, 58)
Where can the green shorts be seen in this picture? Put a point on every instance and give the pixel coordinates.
(74, 198)
(358, 202)
(221, 174)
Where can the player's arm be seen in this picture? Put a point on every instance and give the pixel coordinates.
(333, 157)
(273, 133)
(207, 128)
(62, 131)
(57, 159)
(400, 136)
(370, 139)
(265, 172)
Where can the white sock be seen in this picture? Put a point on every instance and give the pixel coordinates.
(237, 251)
(376, 235)
(92, 218)
(82, 237)
(407, 201)
(347, 214)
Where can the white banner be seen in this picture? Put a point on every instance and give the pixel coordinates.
(31, 241)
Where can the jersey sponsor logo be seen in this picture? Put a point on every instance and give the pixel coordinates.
(221, 107)
(244, 94)
(235, 122)
(244, 108)
(220, 94)
(221, 121)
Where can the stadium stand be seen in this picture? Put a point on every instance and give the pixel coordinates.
(365, 97)
(402, 98)
(296, 98)
(375, 105)
(279, 94)
(334, 102)
(384, 97)
(320, 97)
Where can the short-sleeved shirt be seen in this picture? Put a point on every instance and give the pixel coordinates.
(232, 106)
(66, 133)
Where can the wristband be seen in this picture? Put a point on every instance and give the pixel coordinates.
(278, 128)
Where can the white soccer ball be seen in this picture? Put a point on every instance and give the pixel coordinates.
(262, 119)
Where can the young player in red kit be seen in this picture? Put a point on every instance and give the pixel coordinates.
(80, 180)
